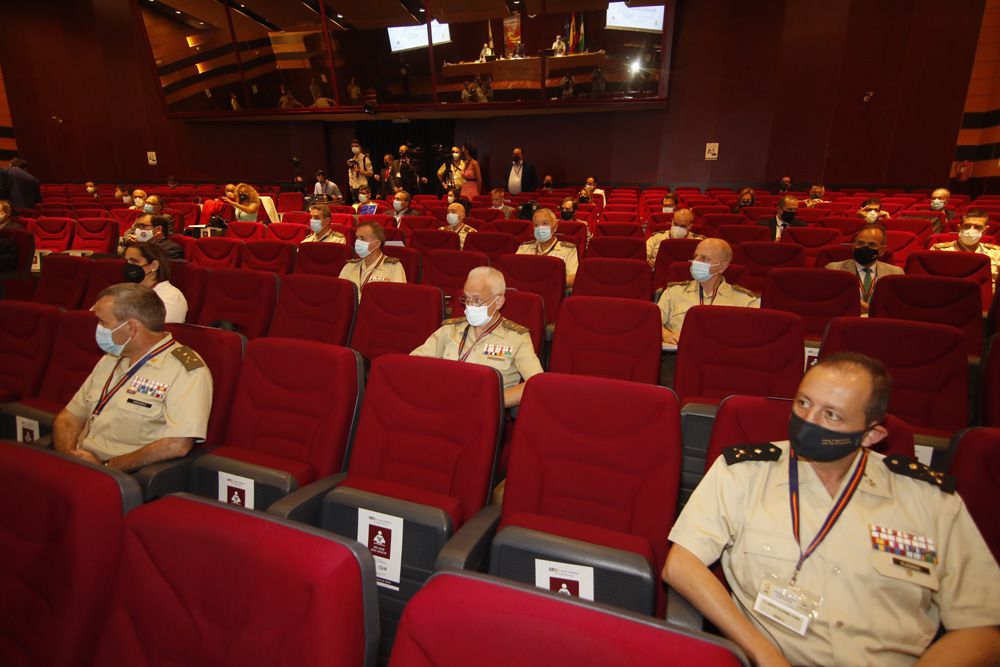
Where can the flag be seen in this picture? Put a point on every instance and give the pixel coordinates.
(489, 26)
(571, 46)
(582, 46)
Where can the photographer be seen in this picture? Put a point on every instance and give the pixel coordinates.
(359, 169)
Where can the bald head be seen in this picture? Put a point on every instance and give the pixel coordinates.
(714, 251)
(683, 218)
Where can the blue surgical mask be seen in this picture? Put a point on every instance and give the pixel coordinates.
(149, 208)
(361, 248)
(315, 224)
(543, 233)
(106, 341)
(701, 271)
(398, 205)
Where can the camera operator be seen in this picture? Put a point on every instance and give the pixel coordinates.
(359, 169)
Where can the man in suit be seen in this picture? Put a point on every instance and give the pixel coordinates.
(520, 176)
(497, 202)
(402, 174)
(869, 246)
(784, 218)
(18, 186)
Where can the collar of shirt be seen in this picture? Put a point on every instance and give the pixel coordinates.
(860, 269)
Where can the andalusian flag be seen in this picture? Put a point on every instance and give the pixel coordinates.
(489, 25)
(582, 45)
(572, 34)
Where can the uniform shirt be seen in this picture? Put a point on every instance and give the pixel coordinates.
(174, 300)
(654, 241)
(988, 249)
(873, 612)
(170, 396)
(330, 236)
(562, 249)
(507, 348)
(384, 270)
(462, 232)
(680, 297)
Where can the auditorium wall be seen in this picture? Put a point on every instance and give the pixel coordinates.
(780, 84)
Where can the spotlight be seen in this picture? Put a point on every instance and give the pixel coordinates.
(635, 66)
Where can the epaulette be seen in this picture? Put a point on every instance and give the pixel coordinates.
(679, 282)
(939, 246)
(740, 453)
(188, 357)
(904, 465)
(391, 260)
(514, 326)
(528, 243)
(567, 244)
(991, 246)
(744, 290)
(453, 320)
(354, 260)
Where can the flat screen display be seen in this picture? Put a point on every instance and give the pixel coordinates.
(408, 38)
(640, 19)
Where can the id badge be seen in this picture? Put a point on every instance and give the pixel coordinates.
(787, 604)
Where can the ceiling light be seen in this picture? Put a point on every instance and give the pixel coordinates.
(177, 11)
(422, 10)
(340, 16)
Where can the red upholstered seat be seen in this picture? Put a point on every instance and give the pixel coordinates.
(901, 245)
(486, 214)
(52, 233)
(322, 259)
(381, 218)
(921, 228)
(103, 273)
(493, 244)
(759, 257)
(319, 308)
(735, 234)
(668, 252)
(815, 295)
(608, 337)
(424, 240)
(217, 252)
(240, 296)
(24, 243)
(521, 230)
(990, 415)
(63, 280)
(290, 201)
(296, 218)
(976, 467)
(27, 331)
(410, 259)
(542, 275)
(573, 232)
(725, 350)
(396, 318)
(99, 235)
(246, 231)
(623, 278)
(832, 253)
(191, 281)
(410, 223)
(620, 224)
(125, 217)
(812, 240)
(965, 265)
(927, 364)
(274, 256)
(448, 269)
(212, 585)
(584, 532)
(617, 247)
(848, 226)
(299, 469)
(287, 231)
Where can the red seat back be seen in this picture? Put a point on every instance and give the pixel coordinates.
(242, 297)
(99, 235)
(124, 217)
(668, 252)
(623, 278)
(815, 295)
(381, 218)
(990, 415)
(521, 230)
(27, 331)
(847, 226)
(410, 223)
(322, 259)
(812, 239)
(319, 308)
(493, 244)
(74, 355)
(424, 240)
(617, 247)
(486, 214)
(55, 234)
(290, 201)
(409, 258)
(966, 265)
(296, 218)
(190, 280)
(63, 281)
(217, 252)
(287, 231)
(103, 273)
(543, 275)
(448, 269)
(619, 218)
(274, 256)
(735, 234)
(396, 318)
(976, 467)
(760, 257)
(246, 231)
(832, 253)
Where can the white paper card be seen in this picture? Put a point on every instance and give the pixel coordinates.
(812, 356)
(924, 453)
(565, 578)
(712, 150)
(235, 490)
(382, 534)
(396, 243)
(27, 430)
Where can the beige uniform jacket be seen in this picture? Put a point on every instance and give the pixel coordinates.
(562, 249)
(385, 270)
(507, 348)
(462, 232)
(877, 608)
(654, 241)
(680, 297)
(329, 236)
(170, 396)
(988, 249)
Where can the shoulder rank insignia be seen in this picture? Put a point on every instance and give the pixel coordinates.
(188, 357)
(679, 282)
(744, 290)
(514, 326)
(532, 242)
(453, 320)
(391, 260)
(904, 465)
(567, 244)
(740, 453)
(355, 260)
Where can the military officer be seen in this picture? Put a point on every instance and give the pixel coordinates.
(546, 243)
(371, 265)
(319, 223)
(486, 337)
(680, 228)
(148, 398)
(970, 231)
(708, 288)
(836, 555)
(456, 223)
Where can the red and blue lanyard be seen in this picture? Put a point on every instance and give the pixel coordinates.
(108, 392)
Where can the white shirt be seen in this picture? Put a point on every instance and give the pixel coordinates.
(514, 182)
(173, 299)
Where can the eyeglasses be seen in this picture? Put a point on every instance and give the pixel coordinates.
(473, 301)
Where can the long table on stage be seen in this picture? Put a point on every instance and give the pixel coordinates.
(522, 69)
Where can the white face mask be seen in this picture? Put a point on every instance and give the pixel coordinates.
(678, 232)
(937, 204)
(397, 205)
(143, 235)
(362, 198)
(455, 156)
(451, 199)
(871, 216)
(452, 219)
(315, 224)
(138, 201)
(668, 209)
(355, 149)
(361, 248)
(970, 236)
(477, 316)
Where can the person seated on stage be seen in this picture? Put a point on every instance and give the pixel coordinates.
(364, 205)
(456, 223)
(148, 264)
(708, 287)
(320, 219)
(485, 52)
(484, 336)
(680, 228)
(559, 46)
(546, 224)
(371, 264)
(869, 246)
(148, 398)
(745, 198)
(835, 554)
(816, 193)
(871, 211)
(970, 231)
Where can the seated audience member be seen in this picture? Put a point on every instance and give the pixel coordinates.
(936, 211)
(454, 196)
(7, 217)
(784, 185)
(939, 201)
(680, 228)
(172, 181)
(746, 197)
(401, 206)
(546, 243)
(708, 287)
(138, 200)
(154, 229)
(153, 205)
(246, 202)
(364, 204)
(548, 184)
(816, 194)
(148, 398)
(484, 336)
(669, 203)
(568, 213)
(591, 194)
(319, 224)
(497, 202)
(456, 223)
(970, 231)
(124, 194)
(91, 188)
(871, 211)
(873, 575)
(371, 264)
(869, 246)
(784, 218)
(148, 264)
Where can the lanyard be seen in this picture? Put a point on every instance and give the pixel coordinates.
(866, 294)
(465, 335)
(835, 512)
(701, 293)
(108, 392)
(538, 248)
(361, 271)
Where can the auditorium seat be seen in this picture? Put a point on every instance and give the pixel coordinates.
(976, 468)
(410, 258)
(521, 230)
(52, 234)
(618, 227)
(900, 245)
(295, 218)
(951, 301)
(62, 532)
(319, 308)
(274, 256)
(294, 410)
(448, 269)
(424, 240)
(990, 384)
(396, 318)
(103, 273)
(97, 235)
(125, 217)
(290, 201)
(736, 234)
(927, 364)
(577, 434)
(410, 223)
(486, 214)
(848, 226)
(201, 584)
(63, 281)
(186, 243)
(381, 218)
(190, 280)
(543, 275)
(493, 244)
(815, 295)
(812, 240)
(919, 227)
(217, 252)
(573, 232)
(458, 615)
(241, 298)
(95, 213)
(27, 331)
(322, 259)
(246, 231)
(670, 251)
(623, 278)
(760, 257)
(965, 265)
(608, 337)
(833, 253)
(617, 247)
(287, 231)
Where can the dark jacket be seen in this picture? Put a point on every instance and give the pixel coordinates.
(20, 188)
(529, 178)
(772, 224)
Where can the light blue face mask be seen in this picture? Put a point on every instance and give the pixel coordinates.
(701, 271)
(543, 233)
(149, 208)
(315, 224)
(106, 341)
(361, 248)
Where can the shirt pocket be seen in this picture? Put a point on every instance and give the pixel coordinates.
(758, 554)
(138, 420)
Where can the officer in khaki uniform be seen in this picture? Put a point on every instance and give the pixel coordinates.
(147, 399)
(456, 223)
(680, 228)
(546, 243)
(320, 226)
(885, 552)
(485, 337)
(372, 265)
(708, 288)
(970, 230)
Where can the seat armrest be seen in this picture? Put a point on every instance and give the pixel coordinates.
(305, 505)
(682, 613)
(270, 484)
(9, 412)
(173, 476)
(469, 548)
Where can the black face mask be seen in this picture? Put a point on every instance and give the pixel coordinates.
(567, 214)
(787, 216)
(517, 160)
(865, 255)
(783, 187)
(244, 197)
(821, 444)
(815, 195)
(548, 184)
(133, 273)
(745, 204)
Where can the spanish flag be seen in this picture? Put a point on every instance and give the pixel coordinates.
(572, 33)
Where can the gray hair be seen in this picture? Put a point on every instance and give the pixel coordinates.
(494, 279)
(136, 302)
